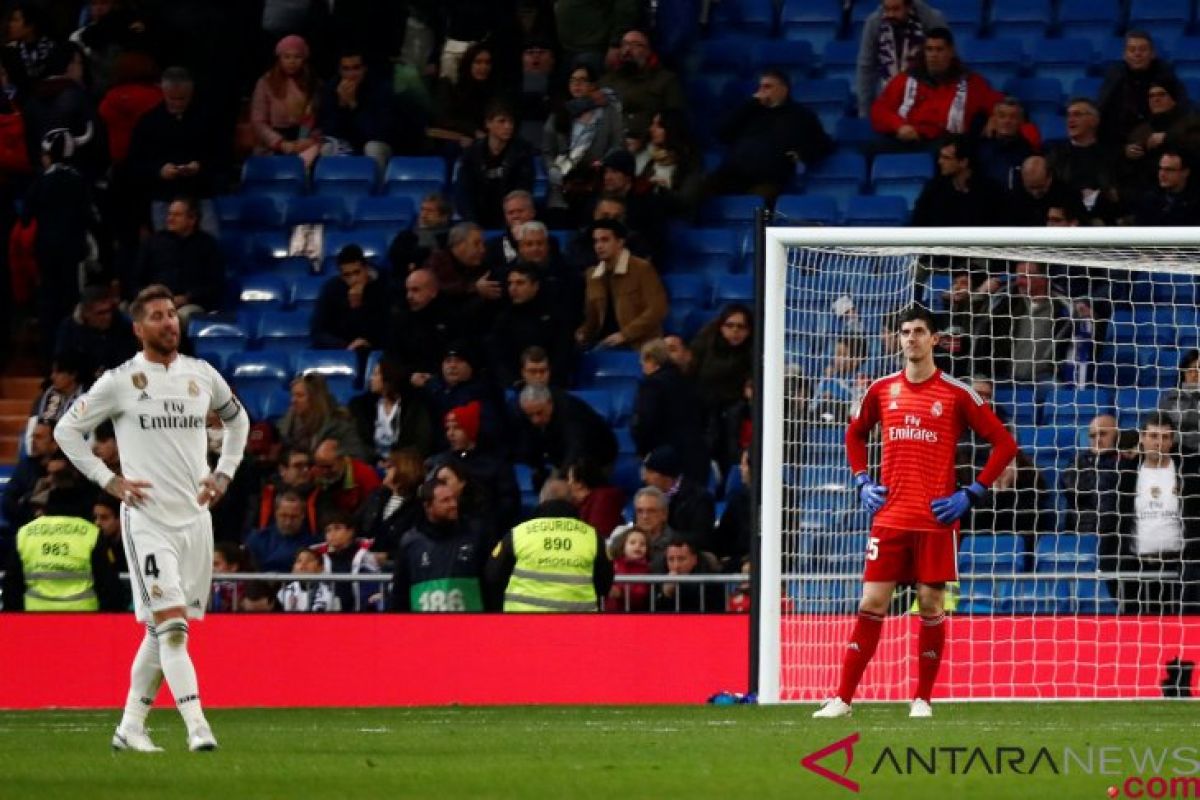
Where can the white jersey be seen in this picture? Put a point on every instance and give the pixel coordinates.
(158, 413)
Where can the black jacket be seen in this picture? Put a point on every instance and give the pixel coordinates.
(762, 140)
(419, 338)
(429, 552)
(942, 204)
(335, 324)
(386, 531)
(517, 327)
(1118, 549)
(1089, 487)
(160, 138)
(412, 426)
(668, 411)
(574, 431)
(499, 504)
(692, 513)
(188, 265)
(484, 179)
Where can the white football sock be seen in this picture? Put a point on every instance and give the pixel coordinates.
(145, 677)
(179, 672)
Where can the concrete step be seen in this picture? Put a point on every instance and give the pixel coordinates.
(12, 425)
(20, 387)
(8, 449)
(11, 407)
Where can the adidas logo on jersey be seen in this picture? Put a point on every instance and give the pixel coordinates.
(144, 396)
(853, 646)
(930, 654)
(892, 406)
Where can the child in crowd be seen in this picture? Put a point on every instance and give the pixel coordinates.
(345, 552)
(633, 560)
(305, 595)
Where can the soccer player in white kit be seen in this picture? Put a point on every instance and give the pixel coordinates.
(158, 401)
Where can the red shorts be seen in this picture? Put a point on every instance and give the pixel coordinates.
(900, 556)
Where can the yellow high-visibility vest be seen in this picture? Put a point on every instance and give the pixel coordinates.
(56, 557)
(553, 572)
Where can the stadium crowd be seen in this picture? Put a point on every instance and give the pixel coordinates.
(579, 160)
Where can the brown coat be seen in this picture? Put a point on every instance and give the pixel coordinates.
(639, 300)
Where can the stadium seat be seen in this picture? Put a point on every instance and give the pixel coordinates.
(708, 240)
(839, 59)
(331, 364)
(1037, 95)
(1086, 87)
(1135, 402)
(1074, 407)
(255, 400)
(387, 214)
(999, 59)
(965, 18)
(814, 21)
(610, 363)
(627, 473)
(214, 341)
(345, 175)
(842, 175)
(284, 331)
(421, 173)
(1024, 20)
(750, 16)
(1162, 19)
(218, 351)
(277, 176)
(1094, 20)
(268, 370)
(625, 443)
(1065, 60)
(982, 595)
(876, 210)
(733, 289)
(374, 246)
(1052, 127)
(248, 211)
(901, 174)
(1067, 552)
(791, 56)
(730, 210)
(806, 209)
(830, 98)
(314, 210)
(1185, 57)
(622, 389)
(684, 320)
(1086, 596)
(1018, 401)
(999, 553)
(1178, 291)
(601, 401)
(263, 291)
(855, 133)
(529, 495)
(306, 289)
(1034, 596)
(693, 288)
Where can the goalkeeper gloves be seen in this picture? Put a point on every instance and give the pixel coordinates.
(873, 495)
(951, 509)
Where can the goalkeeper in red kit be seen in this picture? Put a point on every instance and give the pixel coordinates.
(922, 412)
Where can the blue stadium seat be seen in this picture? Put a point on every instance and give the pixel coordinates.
(374, 245)
(292, 268)
(733, 289)
(965, 18)
(1074, 407)
(328, 363)
(305, 290)
(1185, 57)
(610, 363)
(1052, 127)
(345, 175)
(248, 211)
(388, 214)
(284, 331)
(215, 327)
(792, 56)
(998, 554)
(1068, 552)
(278, 176)
(1094, 20)
(315, 209)
(423, 173)
(1035, 596)
(1018, 401)
(263, 291)
(1086, 596)
(812, 21)
(876, 210)
(751, 16)
(1161, 19)
(901, 174)
(627, 473)
(694, 288)
(601, 401)
(217, 351)
(828, 97)
(255, 399)
(683, 319)
(709, 266)
(842, 175)
(839, 59)
(1024, 20)
(373, 359)
(622, 391)
(1038, 95)
(1133, 403)
(854, 132)
(267, 370)
(1065, 60)
(983, 595)
(999, 60)
(730, 210)
(806, 209)
(709, 240)
(625, 443)
(524, 477)
(1086, 87)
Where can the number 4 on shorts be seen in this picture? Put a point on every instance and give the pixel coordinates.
(151, 568)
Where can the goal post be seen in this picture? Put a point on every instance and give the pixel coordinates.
(1041, 611)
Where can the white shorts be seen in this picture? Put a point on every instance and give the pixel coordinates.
(168, 568)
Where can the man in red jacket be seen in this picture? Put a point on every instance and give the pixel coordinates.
(939, 97)
(343, 483)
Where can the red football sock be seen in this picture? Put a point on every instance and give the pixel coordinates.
(930, 642)
(862, 646)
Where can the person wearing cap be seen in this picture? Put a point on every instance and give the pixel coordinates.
(552, 563)
(528, 319)
(458, 384)
(282, 108)
(767, 136)
(643, 84)
(492, 475)
(185, 259)
(624, 301)
(491, 167)
(352, 309)
(691, 510)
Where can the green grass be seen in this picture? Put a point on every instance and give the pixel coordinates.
(569, 752)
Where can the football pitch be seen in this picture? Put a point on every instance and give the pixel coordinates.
(976, 751)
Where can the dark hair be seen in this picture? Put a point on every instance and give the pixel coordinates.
(528, 270)
(1189, 359)
(350, 254)
(394, 377)
(587, 472)
(679, 540)
(108, 501)
(73, 363)
(1159, 419)
(678, 138)
(192, 204)
(855, 345)
(616, 227)
(468, 59)
(459, 471)
(155, 291)
(234, 555)
(425, 493)
(290, 496)
(1185, 161)
(963, 148)
(915, 313)
(535, 353)
(779, 75)
(940, 33)
(498, 107)
(338, 518)
(105, 431)
(1069, 203)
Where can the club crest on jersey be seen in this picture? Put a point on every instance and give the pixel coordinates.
(192, 389)
(1155, 492)
(79, 407)
(156, 592)
(139, 380)
(936, 408)
(895, 390)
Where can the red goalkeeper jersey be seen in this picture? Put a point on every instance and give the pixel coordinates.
(920, 425)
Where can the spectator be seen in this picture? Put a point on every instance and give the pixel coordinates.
(345, 553)
(1158, 505)
(767, 136)
(668, 412)
(959, 195)
(1174, 201)
(390, 415)
(1124, 93)
(460, 103)
(1182, 404)
(48, 549)
(423, 327)
(274, 547)
(842, 384)
(638, 208)
(461, 273)
(355, 111)
(59, 203)
(352, 309)
(314, 415)
(625, 302)
(135, 92)
(1031, 198)
(552, 563)
(475, 506)
(735, 529)
(392, 508)
(500, 500)
(414, 246)
(1089, 485)
(581, 251)
(643, 84)
(175, 150)
(673, 170)
(294, 475)
(586, 28)
(502, 250)
(185, 259)
(578, 135)
(305, 594)
(343, 482)
(1007, 141)
(735, 431)
(562, 284)
(113, 32)
(29, 476)
(491, 167)
(104, 446)
(955, 346)
(68, 379)
(556, 428)
(1082, 164)
(937, 97)
(226, 595)
(541, 86)
(1014, 502)
(1029, 330)
(722, 358)
(440, 560)
(680, 353)
(599, 503)
(535, 369)
(649, 516)
(691, 510)
(892, 43)
(29, 38)
(684, 558)
(529, 319)
(1170, 125)
(630, 597)
(64, 99)
(457, 385)
(106, 515)
(282, 107)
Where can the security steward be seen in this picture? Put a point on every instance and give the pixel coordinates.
(552, 563)
(60, 563)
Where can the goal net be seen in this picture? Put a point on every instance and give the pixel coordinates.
(1078, 575)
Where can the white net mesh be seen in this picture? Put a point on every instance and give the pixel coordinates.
(1078, 575)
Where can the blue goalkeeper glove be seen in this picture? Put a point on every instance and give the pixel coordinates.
(951, 509)
(873, 495)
